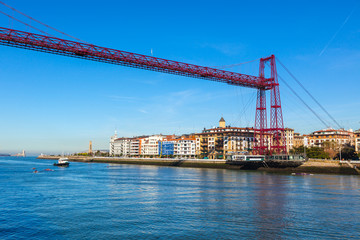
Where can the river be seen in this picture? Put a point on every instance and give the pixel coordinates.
(108, 201)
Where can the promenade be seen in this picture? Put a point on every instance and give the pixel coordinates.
(310, 166)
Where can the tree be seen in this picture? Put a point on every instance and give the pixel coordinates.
(297, 150)
(348, 152)
(316, 152)
(330, 148)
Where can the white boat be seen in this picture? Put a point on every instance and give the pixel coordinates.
(62, 162)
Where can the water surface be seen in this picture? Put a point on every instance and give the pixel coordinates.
(107, 201)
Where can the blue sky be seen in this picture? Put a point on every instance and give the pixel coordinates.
(52, 103)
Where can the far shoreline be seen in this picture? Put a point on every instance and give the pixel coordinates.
(312, 166)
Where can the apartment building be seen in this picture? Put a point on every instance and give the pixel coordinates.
(357, 141)
(135, 146)
(219, 141)
(120, 147)
(338, 136)
(150, 145)
(289, 138)
(185, 147)
(166, 148)
(298, 140)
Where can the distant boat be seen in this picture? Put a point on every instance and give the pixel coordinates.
(301, 173)
(62, 162)
(4, 155)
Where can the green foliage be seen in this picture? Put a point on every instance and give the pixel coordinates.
(102, 154)
(297, 150)
(316, 152)
(348, 153)
(82, 154)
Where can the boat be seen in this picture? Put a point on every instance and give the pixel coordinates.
(62, 162)
(302, 174)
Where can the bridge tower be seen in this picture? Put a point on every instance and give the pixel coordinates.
(269, 140)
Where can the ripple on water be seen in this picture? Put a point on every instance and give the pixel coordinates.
(102, 201)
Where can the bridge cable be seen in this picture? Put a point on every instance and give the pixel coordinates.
(297, 95)
(14, 9)
(294, 92)
(313, 98)
(26, 24)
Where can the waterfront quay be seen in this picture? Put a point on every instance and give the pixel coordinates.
(281, 166)
(225, 141)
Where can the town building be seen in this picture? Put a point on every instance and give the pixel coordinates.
(298, 140)
(166, 148)
(219, 141)
(289, 138)
(213, 143)
(150, 145)
(112, 144)
(120, 147)
(357, 141)
(185, 147)
(337, 136)
(135, 146)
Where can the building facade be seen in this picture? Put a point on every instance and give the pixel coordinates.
(289, 138)
(298, 140)
(150, 145)
(135, 146)
(166, 148)
(218, 142)
(185, 147)
(223, 140)
(120, 147)
(337, 136)
(357, 141)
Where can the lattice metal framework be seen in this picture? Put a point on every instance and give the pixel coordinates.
(27, 40)
(269, 140)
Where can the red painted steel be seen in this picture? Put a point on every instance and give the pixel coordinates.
(276, 132)
(260, 129)
(21, 39)
(54, 45)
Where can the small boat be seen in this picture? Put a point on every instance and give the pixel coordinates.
(302, 174)
(62, 162)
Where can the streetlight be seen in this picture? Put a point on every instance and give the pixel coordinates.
(340, 151)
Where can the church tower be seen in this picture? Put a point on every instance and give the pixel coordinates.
(222, 123)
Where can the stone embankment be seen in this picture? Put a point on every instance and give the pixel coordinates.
(310, 166)
(321, 166)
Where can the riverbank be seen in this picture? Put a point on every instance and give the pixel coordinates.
(310, 166)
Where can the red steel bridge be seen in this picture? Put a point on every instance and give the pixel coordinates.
(267, 140)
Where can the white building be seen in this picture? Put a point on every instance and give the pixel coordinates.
(289, 139)
(150, 145)
(185, 147)
(135, 147)
(119, 146)
(112, 144)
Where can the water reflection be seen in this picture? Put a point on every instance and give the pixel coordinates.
(130, 201)
(244, 204)
(271, 215)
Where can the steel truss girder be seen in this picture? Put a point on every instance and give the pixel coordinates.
(59, 46)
